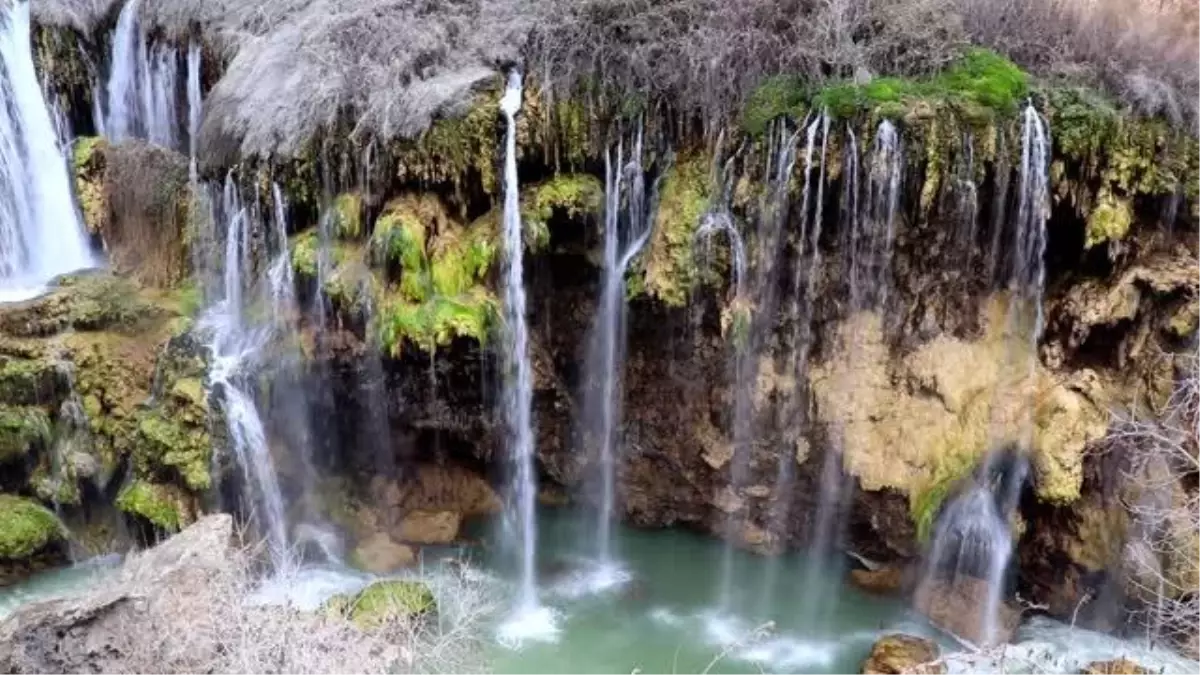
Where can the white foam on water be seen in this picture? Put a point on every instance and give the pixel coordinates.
(529, 623)
(789, 654)
(307, 588)
(593, 578)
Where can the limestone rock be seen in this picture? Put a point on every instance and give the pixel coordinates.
(380, 554)
(958, 608)
(897, 653)
(883, 581)
(31, 538)
(429, 527)
(1114, 667)
(99, 631)
(924, 420)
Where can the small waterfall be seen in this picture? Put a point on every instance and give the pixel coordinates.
(142, 89)
(790, 416)
(518, 385)
(236, 347)
(41, 235)
(194, 100)
(973, 545)
(973, 541)
(1028, 277)
(606, 355)
(873, 231)
(717, 221)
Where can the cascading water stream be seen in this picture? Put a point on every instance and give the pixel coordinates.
(41, 235)
(195, 101)
(141, 92)
(531, 621)
(784, 469)
(719, 221)
(973, 538)
(606, 354)
(235, 349)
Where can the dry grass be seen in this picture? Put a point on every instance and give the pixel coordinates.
(211, 628)
(1143, 51)
(386, 68)
(1161, 563)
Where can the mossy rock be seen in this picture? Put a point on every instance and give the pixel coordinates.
(670, 261)
(166, 441)
(88, 162)
(346, 215)
(25, 382)
(1110, 220)
(979, 86)
(26, 527)
(162, 505)
(574, 196)
(384, 602)
(22, 430)
(441, 292)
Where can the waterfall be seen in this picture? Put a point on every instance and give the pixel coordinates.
(973, 538)
(41, 235)
(1028, 278)
(605, 364)
(518, 385)
(973, 543)
(142, 89)
(194, 100)
(787, 417)
(873, 231)
(236, 347)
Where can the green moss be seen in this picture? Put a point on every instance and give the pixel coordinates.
(348, 276)
(670, 264)
(777, 96)
(383, 602)
(1109, 221)
(442, 267)
(20, 430)
(572, 195)
(153, 502)
(172, 441)
(26, 527)
(454, 148)
(304, 253)
(924, 505)
(347, 215)
(30, 382)
(981, 84)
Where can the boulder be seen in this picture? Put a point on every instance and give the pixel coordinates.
(380, 554)
(31, 538)
(1114, 667)
(898, 653)
(958, 607)
(429, 527)
(383, 602)
(105, 630)
(883, 581)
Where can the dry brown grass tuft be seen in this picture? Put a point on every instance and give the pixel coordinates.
(211, 627)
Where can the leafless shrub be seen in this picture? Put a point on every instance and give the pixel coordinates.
(1141, 50)
(212, 628)
(1163, 460)
(81, 15)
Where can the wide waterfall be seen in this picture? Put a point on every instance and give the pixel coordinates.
(41, 235)
(142, 99)
(605, 364)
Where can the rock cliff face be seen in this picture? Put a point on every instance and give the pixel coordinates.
(103, 396)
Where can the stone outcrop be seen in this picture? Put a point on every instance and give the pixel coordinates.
(98, 632)
(1114, 667)
(898, 653)
(960, 608)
